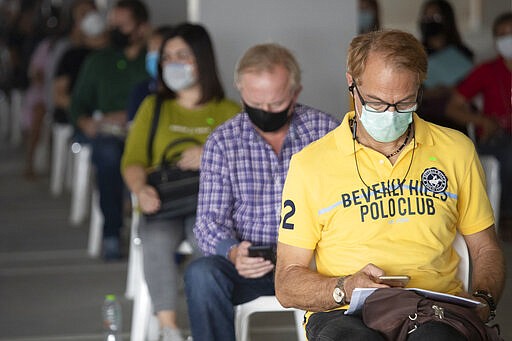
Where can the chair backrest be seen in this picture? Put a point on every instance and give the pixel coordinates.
(463, 271)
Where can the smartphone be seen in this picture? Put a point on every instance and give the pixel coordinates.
(265, 251)
(394, 281)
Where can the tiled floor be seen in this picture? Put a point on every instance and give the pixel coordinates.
(50, 290)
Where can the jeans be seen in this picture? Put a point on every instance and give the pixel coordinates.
(107, 151)
(213, 286)
(335, 325)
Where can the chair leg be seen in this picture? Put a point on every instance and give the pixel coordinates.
(81, 183)
(61, 135)
(96, 227)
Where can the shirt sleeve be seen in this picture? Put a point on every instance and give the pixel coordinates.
(299, 214)
(84, 98)
(214, 227)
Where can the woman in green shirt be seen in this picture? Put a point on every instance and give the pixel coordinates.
(193, 104)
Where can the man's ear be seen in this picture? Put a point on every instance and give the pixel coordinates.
(350, 82)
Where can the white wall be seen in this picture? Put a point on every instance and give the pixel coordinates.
(317, 32)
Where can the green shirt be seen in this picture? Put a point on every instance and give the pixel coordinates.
(174, 122)
(105, 81)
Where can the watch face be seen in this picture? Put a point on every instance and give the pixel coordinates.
(338, 295)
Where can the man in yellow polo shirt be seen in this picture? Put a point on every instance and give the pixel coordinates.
(384, 194)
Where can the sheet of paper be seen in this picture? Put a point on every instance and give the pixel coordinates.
(359, 295)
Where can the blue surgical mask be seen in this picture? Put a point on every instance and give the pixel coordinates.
(385, 126)
(152, 63)
(178, 76)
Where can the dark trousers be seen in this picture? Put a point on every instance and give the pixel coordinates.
(107, 151)
(335, 325)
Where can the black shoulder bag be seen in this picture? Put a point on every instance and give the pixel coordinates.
(177, 189)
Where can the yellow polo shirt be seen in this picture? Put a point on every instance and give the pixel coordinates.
(407, 218)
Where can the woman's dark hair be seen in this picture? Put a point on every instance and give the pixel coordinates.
(500, 20)
(449, 26)
(199, 41)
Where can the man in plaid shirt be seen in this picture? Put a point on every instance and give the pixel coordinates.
(243, 169)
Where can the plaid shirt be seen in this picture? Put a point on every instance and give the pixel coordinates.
(242, 180)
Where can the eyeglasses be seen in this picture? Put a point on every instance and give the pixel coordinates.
(380, 107)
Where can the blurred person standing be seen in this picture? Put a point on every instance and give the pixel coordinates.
(192, 104)
(98, 108)
(149, 85)
(493, 80)
(91, 36)
(368, 16)
(449, 60)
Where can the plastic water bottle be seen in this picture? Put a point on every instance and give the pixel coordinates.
(112, 319)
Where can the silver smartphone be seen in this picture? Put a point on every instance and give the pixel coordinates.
(394, 281)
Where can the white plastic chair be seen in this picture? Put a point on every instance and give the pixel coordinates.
(80, 190)
(264, 304)
(463, 270)
(95, 226)
(61, 137)
(491, 167)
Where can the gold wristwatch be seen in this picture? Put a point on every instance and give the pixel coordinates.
(339, 293)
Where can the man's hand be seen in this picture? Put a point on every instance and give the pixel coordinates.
(249, 267)
(190, 158)
(88, 126)
(364, 278)
(149, 201)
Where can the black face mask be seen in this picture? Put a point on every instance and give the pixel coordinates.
(267, 121)
(119, 39)
(431, 28)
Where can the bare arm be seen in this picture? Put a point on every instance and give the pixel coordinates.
(135, 178)
(300, 287)
(61, 94)
(459, 110)
(487, 261)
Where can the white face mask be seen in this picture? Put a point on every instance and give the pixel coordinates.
(178, 76)
(504, 46)
(92, 24)
(385, 126)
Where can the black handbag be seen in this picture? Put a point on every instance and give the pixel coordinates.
(177, 189)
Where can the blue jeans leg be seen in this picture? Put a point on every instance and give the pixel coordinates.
(213, 286)
(106, 156)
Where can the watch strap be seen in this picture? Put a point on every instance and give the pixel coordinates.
(489, 300)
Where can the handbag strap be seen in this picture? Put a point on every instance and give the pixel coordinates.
(154, 125)
(174, 144)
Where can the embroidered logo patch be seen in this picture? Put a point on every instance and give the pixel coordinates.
(434, 180)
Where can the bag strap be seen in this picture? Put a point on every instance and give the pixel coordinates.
(174, 144)
(154, 125)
